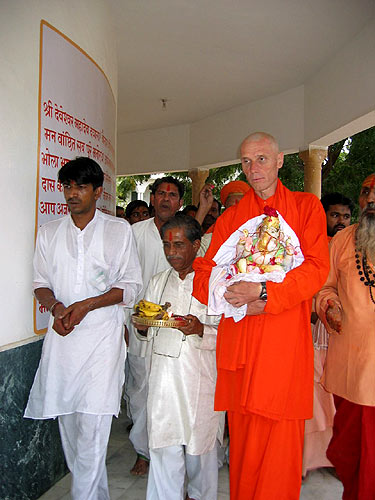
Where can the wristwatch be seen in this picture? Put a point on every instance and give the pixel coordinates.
(263, 292)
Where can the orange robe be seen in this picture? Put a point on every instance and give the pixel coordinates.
(349, 369)
(265, 362)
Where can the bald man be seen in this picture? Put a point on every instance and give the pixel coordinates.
(265, 360)
(346, 306)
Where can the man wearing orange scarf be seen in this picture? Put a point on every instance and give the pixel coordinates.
(265, 360)
(233, 192)
(346, 306)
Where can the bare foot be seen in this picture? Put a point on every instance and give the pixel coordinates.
(140, 467)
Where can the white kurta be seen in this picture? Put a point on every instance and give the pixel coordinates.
(84, 371)
(180, 406)
(153, 261)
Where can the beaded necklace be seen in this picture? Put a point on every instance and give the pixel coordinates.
(366, 274)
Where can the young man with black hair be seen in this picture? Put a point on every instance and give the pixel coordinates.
(136, 211)
(182, 425)
(120, 212)
(338, 209)
(85, 269)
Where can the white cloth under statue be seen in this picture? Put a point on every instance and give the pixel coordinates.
(262, 249)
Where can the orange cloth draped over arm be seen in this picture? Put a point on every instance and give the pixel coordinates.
(265, 362)
(349, 368)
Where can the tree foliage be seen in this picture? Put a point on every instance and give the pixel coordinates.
(355, 162)
(125, 185)
(348, 163)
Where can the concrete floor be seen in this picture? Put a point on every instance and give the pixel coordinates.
(319, 484)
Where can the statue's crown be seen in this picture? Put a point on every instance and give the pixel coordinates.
(271, 221)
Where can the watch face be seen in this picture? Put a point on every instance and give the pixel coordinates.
(263, 293)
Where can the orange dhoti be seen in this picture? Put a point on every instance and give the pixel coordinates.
(265, 457)
(265, 361)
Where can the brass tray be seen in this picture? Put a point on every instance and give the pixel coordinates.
(161, 323)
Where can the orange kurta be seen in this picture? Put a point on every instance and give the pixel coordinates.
(349, 368)
(265, 362)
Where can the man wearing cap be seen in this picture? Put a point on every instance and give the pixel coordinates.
(230, 194)
(233, 192)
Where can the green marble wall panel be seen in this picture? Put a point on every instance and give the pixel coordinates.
(31, 457)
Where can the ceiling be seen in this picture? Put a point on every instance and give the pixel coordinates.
(207, 56)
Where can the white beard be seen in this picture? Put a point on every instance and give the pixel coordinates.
(365, 236)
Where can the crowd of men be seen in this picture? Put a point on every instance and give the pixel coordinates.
(260, 367)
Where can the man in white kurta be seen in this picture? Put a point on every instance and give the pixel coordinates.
(85, 268)
(182, 424)
(166, 198)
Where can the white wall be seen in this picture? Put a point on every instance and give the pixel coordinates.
(342, 92)
(158, 150)
(337, 101)
(88, 24)
(214, 140)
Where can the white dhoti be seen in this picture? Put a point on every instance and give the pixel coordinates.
(84, 439)
(80, 375)
(136, 391)
(168, 467)
(182, 424)
(152, 260)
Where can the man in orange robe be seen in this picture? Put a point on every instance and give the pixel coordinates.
(265, 361)
(346, 306)
(232, 192)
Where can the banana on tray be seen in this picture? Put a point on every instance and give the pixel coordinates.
(147, 309)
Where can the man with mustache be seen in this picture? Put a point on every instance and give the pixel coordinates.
(166, 198)
(182, 424)
(338, 209)
(346, 306)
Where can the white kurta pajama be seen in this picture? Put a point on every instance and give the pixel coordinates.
(180, 405)
(152, 260)
(83, 372)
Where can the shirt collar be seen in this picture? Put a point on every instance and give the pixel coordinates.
(91, 223)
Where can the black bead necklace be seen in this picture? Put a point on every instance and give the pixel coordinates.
(366, 274)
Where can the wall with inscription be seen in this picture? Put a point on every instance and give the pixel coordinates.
(78, 126)
(77, 117)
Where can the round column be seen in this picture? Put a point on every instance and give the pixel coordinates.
(198, 177)
(313, 159)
